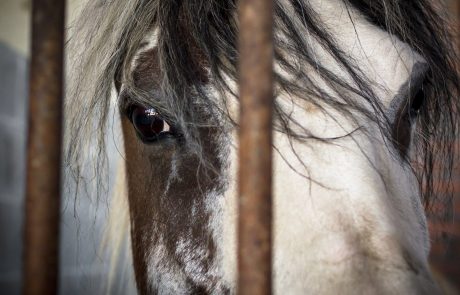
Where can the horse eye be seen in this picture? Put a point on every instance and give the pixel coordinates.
(406, 117)
(149, 125)
(417, 103)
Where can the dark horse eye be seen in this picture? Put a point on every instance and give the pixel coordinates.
(417, 103)
(149, 125)
(406, 117)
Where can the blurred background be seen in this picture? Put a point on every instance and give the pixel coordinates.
(83, 269)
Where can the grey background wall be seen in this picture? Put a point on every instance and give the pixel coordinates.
(84, 270)
(13, 70)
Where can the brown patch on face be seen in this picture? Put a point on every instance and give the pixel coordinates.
(167, 186)
(165, 210)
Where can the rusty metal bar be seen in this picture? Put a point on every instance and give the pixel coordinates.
(457, 25)
(41, 239)
(255, 152)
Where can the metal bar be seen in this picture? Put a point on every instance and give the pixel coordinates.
(255, 152)
(41, 240)
(457, 25)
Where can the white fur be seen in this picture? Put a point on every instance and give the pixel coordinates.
(322, 235)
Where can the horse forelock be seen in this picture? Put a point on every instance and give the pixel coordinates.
(111, 34)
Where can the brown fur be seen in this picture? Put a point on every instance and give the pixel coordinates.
(150, 200)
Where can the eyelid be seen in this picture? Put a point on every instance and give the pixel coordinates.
(407, 92)
(126, 100)
(126, 103)
(417, 80)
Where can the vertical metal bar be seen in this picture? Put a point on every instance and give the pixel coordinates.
(255, 152)
(457, 25)
(41, 240)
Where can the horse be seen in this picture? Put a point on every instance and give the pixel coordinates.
(365, 113)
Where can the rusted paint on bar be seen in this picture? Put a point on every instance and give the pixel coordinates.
(41, 240)
(457, 22)
(255, 153)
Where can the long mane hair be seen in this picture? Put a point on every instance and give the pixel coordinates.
(105, 38)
